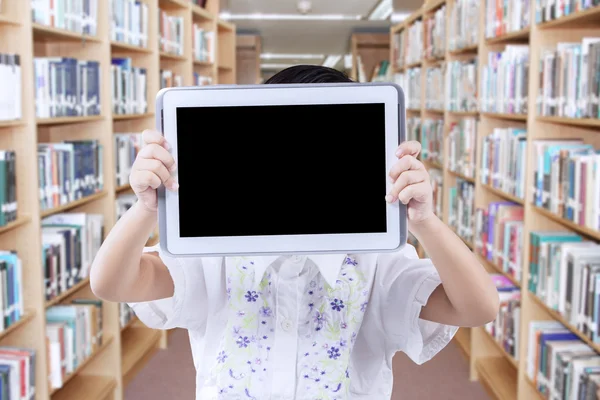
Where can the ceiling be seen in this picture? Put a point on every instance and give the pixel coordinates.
(308, 37)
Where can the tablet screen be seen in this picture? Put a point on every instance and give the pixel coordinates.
(281, 170)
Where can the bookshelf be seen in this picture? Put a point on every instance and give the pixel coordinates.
(503, 376)
(368, 51)
(124, 352)
(248, 50)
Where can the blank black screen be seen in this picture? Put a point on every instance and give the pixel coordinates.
(281, 170)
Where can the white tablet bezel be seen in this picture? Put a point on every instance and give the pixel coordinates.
(168, 100)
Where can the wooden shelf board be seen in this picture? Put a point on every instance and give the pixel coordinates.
(509, 117)
(558, 317)
(88, 387)
(413, 65)
(532, 386)
(414, 17)
(201, 13)
(68, 120)
(225, 26)
(498, 376)
(432, 164)
(510, 37)
(433, 111)
(5, 19)
(203, 63)
(49, 33)
(119, 46)
(461, 176)
(464, 113)
(433, 5)
(68, 293)
(173, 57)
(502, 194)
(128, 325)
(585, 122)
(174, 3)
(465, 50)
(106, 341)
(225, 68)
(21, 220)
(463, 339)
(9, 124)
(135, 344)
(122, 117)
(574, 20)
(508, 357)
(583, 230)
(498, 270)
(74, 204)
(413, 110)
(123, 188)
(25, 318)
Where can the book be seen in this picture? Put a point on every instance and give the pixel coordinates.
(399, 44)
(505, 329)
(202, 80)
(17, 370)
(203, 44)
(461, 86)
(11, 289)
(435, 34)
(436, 176)
(546, 10)
(462, 209)
(129, 22)
(410, 82)
(171, 33)
(8, 187)
(129, 87)
(504, 81)
(10, 81)
(127, 147)
(463, 31)
(413, 130)
(432, 140)
(505, 17)
(169, 78)
(66, 87)
(462, 145)
(79, 16)
(414, 43)
(503, 160)
(434, 81)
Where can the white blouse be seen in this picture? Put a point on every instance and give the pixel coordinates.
(300, 327)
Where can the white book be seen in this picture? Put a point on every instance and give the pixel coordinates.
(58, 239)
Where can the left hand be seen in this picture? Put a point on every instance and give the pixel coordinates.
(411, 183)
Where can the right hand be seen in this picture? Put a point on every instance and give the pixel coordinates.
(152, 167)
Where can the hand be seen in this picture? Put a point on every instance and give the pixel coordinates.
(152, 167)
(411, 183)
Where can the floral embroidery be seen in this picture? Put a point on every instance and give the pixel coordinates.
(334, 353)
(222, 357)
(251, 296)
(243, 341)
(265, 312)
(337, 304)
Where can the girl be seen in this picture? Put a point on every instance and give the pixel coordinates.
(298, 327)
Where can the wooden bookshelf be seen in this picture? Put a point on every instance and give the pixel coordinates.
(502, 375)
(103, 375)
(371, 49)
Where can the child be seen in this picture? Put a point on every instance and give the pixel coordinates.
(298, 327)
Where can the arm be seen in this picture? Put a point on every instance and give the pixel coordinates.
(467, 295)
(120, 271)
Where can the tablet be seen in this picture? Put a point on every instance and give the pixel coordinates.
(281, 169)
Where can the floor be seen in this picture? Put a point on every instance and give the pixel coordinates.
(170, 375)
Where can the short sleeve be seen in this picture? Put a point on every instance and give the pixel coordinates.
(184, 309)
(405, 283)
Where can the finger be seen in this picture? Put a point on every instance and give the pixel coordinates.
(158, 168)
(154, 151)
(410, 147)
(142, 180)
(407, 178)
(406, 163)
(153, 137)
(418, 192)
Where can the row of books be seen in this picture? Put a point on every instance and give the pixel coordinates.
(506, 17)
(169, 78)
(435, 34)
(202, 80)
(569, 81)
(171, 33)
(10, 82)
(74, 332)
(129, 22)
(505, 329)
(8, 187)
(461, 86)
(499, 236)
(462, 145)
(127, 147)
(432, 140)
(567, 180)
(461, 215)
(504, 81)
(413, 129)
(69, 171)
(11, 289)
(464, 24)
(70, 241)
(399, 48)
(410, 82)
(559, 364)
(66, 87)
(436, 176)
(549, 10)
(414, 43)
(17, 373)
(434, 82)
(504, 160)
(79, 16)
(203, 43)
(129, 87)
(565, 275)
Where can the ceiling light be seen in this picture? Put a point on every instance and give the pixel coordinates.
(399, 17)
(275, 66)
(274, 56)
(331, 61)
(383, 10)
(291, 17)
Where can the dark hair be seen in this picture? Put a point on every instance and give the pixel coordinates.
(308, 74)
